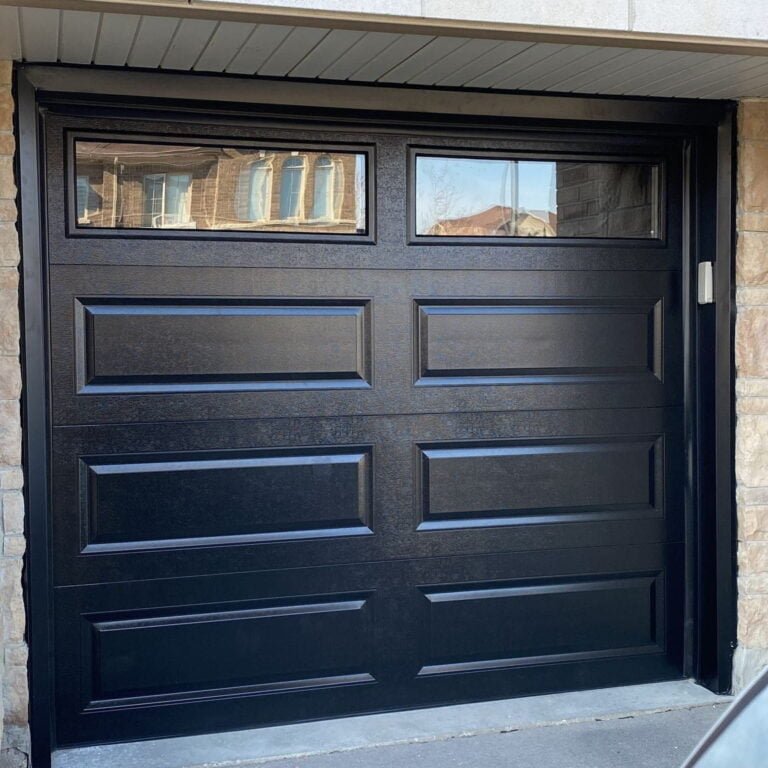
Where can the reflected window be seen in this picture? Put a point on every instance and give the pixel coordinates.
(492, 197)
(255, 195)
(88, 201)
(292, 188)
(328, 189)
(148, 185)
(167, 200)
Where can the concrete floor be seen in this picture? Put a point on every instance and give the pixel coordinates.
(659, 740)
(653, 725)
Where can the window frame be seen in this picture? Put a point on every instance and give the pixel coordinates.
(416, 151)
(366, 150)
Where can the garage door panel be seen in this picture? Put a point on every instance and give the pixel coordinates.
(144, 346)
(224, 249)
(163, 656)
(356, 637)
(524, 257)
(507, 341)
(547, 479)
(225, 497)
(326, 343)
(144, 500)
(497, 625)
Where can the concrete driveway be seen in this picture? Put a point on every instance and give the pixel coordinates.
(640, 726)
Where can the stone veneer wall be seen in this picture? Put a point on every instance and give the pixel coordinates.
(13, 650)
(752, 390)
(751, 439)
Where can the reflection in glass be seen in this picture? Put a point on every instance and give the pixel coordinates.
(255, 191)
(292, 188)
(327, 188)
(131, 185)
(489, 197)
(88, 202)
(166, 200)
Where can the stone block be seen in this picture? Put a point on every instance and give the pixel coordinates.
(9, 313)
(753, 584)
(752, 296)
(753, 523)
(13, 513)
(751, 387)
(15, 619)
(8, 211)
(753, 177)
(752, 258)
(16, 655)
(748, 663)
(9, 245)
(15, 746)
(10, 432)
(753, 557)
(10, 378)
(6, 110)
(16, 695)
(7, 143)
(750, 221)
(753, 621)
(751, 335)
(11, 478)
(7, 178)
(14, 545)
(753, 405)
(752, 496)
(753, 119)
(751, 450)
(6, 72)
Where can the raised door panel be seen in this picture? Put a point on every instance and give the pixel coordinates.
(278, 343)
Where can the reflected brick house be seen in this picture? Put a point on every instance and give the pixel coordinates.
(592, 200)
(498, 220)
(126, 185)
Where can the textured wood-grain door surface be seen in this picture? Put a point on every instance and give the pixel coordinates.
(298, 478)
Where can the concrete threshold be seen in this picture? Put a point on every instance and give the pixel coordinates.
(254, 747)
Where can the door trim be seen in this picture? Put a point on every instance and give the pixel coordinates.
(708, 130)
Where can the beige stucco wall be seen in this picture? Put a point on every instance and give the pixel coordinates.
(13, 651)
(752, 390)
(708, 18)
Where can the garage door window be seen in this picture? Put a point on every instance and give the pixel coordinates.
(290, 191)
(482, 197)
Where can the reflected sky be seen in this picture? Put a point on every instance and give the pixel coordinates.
(451, 187)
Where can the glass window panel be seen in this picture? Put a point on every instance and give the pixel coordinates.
(324, 194)
(154, 194)
(490, 197)
(165, 186)
(82, 197)
(177, 201)
(88, 201)
(292, 188)
(257, 190)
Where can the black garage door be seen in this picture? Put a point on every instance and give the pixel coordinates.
(346, 420)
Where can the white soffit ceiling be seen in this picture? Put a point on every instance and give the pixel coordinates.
(244, 48)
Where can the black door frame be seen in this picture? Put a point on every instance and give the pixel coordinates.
(707, 130)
